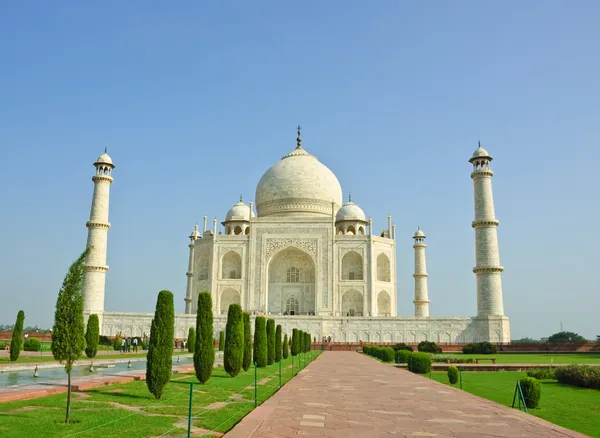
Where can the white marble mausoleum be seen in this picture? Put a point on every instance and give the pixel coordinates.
(306, 258)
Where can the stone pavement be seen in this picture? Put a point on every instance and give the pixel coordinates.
(346, 394)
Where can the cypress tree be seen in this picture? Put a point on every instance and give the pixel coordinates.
(294, 342)
(204, 352)
(17, 334)
(278, 346)
(68, 333)
(285, 347)
(307, 342)
(260, 341)
(221, 340)
(247, 342)
(270, 341)
(92, 336)
(234, 347)
(159, 361)
(191, 341)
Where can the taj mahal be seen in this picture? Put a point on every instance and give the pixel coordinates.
(309, 260)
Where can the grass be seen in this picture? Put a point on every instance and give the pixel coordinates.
(130, 410)
(535, 358)
(568, 406)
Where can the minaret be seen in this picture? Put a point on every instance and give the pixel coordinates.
(98, 225)
(487, 266)
(190, 272)
(421, 300)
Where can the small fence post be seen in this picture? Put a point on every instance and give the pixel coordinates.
(189, 431)
(255, 387)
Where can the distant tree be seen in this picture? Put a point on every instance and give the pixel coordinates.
(92, 336)
(17, 335)
(68, 333)
(204, 352)
(234, 347)
(221, 340)
(285, 352)
(295, 342)
(566, 337)
(260, 341)
(159, 360)
(598, 338)
(191, 340)
(247, 342)
(270, 341)
(524, 340)
(278, 348)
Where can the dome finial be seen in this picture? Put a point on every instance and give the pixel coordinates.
(478, 143)
(241, 199)
(105, 150)
(299, 139)
(350, 197)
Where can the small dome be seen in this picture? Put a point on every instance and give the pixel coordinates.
(195, 234)
(104, 159)
(350, 212)
(419, 233)
(480, 153)
(239, 212)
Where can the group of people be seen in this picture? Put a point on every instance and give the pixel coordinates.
(128, 344)
(182, 344)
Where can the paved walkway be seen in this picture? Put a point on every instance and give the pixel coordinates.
(346, 394)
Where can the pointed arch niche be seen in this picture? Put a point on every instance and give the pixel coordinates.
(383, 268)
(384, 307)
(228, 296)
(352, 266)
(352, 303)
(231, 266)
(291, 287)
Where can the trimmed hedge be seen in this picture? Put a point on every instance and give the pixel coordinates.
(401, 356)
(479, 348)
(387, 354)
(221, 340)
(419, 363)
(285, 347)
(32, 344)
(278, 346)
(402, 346)
(532, 391)
(247, 342)
(204, 352)
(452, 375)
(270, 341)
(17, 335)
(105, 340)
(295, 342)
(579, 375)
(542, 373)
(260, 341)
(429, 347)
(234, 347)
(445, 358)
(191, 340)
(160, 348)
(92, 336)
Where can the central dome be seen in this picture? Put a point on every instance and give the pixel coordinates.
(298, 185)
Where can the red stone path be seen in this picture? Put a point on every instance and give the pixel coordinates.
(346, 394)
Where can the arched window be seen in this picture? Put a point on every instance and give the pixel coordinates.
(383, 268)
(237, 230)
(352, 266)
(292, 306)
(231, 266)
(293, 275)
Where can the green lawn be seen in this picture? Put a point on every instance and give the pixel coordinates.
(130, 410)
(536, 358)
(568, 406)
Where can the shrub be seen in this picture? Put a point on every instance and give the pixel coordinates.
(105, 340)
(542, 373)
(247, 342)
(204, 352)
(270, 341)
(160, 347)
(117, 342)
(445, 358)
(17, 335)
(419, 363)
(452, 375)
(285, 347)
(387, 354)
(479, 348)
(234, 348)
(429, 347)
(294, 342)
(191, 340)
(92, 336)
(376, 351)
(401, 356)
(32, 344)
(308, 343)
(260, 341)
(402, 346)
(278, 347)
(532, 391)
(221, 340)
(579, 375)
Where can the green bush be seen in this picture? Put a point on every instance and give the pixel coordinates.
(479, 348)
(278, 347)
(117, 342)
(191, 340)
(532, 391)
(419, 363)
(401, 356)
(92, 336)
(285, 347)
(452, 375)
(221, 340)
(429, 347)
(260, 341)
(387, 354)
(270, 341)
(542, 373)
(105, 340)
(247, 342)
(295, 342)
(204, 352)
(579, 375)
(234, 347)
(402, 346)
(308, 343)
(17, 336)
(160, 347)
(32, 344)
(366, 349)
(445, 358)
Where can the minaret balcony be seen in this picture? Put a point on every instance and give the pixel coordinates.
(485, 223)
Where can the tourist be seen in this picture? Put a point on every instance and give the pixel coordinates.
(123, 345)
(128, 343)
(135, 345)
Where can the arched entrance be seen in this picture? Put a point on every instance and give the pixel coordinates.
(291, 288)
(352, 303)
(228, 297)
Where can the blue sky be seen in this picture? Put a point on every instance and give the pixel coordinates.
(195, 101)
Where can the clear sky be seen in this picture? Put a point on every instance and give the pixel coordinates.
(195, 101)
